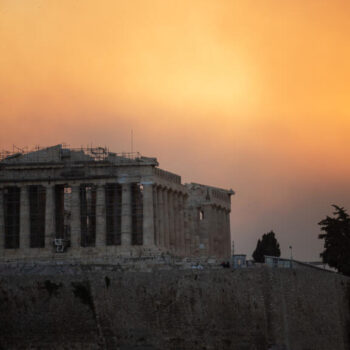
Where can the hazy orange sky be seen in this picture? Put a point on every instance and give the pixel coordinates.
(249, 95)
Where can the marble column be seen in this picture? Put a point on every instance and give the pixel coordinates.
(223, 240)
(126, 224)
(49, 216)
(228, 231)
(155, 216)
(148, 217)
(2, 223)
(166, 217)
(181, 227)
(160, 216)
(75, 224)
(24, 212)
(171, 220)
(186, 227)
(176, 222)
(101, 239)
(218, 232)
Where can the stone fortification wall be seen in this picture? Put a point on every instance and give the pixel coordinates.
(102, 308)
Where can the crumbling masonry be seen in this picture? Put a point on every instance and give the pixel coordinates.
(58, 202)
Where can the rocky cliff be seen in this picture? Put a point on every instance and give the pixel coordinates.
(99, 308)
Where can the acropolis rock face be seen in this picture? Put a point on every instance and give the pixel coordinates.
(61, 307)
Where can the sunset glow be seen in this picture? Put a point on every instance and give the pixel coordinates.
(252, 95)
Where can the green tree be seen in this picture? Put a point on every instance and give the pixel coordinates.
(336, 240)
(268, 245)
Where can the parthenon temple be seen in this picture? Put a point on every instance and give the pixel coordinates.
(61, 202)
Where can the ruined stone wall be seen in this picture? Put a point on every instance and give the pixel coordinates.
(190, 309)
(208, 221)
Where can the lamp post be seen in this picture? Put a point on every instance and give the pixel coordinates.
(291, 256)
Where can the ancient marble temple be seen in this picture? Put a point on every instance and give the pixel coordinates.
(58, 203)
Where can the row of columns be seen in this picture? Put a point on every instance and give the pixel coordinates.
(163, 219)
(169, 219)
(75, 222)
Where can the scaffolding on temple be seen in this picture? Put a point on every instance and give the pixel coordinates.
(39, 154)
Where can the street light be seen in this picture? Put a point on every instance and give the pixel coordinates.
(291, 256)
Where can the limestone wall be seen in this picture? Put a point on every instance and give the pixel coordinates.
(208, 220)
(100, 308)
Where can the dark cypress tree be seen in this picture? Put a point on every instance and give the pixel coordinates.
(257, 255)
(336, 240)
(267, 246)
